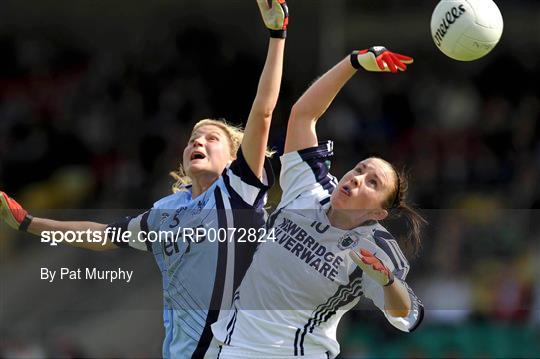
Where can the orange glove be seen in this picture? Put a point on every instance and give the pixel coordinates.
(373, 266)
(13, 214)
(380, 59)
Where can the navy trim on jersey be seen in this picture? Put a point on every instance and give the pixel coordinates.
(235, 197)
(344, 295)
(270, 177)
(272, 218)
(322, 150)
(356, 273)
(416, 304)
(420, 318)
(302, 336)
(244, 251)
(219, 282)
(405, 267)
(241, 168)
(243, 219)
(123, 226)
(325, 201)
(316, 158)
(232, 322)
(381, 238)
(340, 298)
(254, 218)
(260, 199)
(219, 352)
(296, 336)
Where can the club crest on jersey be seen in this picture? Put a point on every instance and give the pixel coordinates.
(199, 208)
(164, 217)
(347, 241)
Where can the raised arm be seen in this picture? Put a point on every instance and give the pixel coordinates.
(315, 101)
(312, 104)
(18, 218)
(255, 140)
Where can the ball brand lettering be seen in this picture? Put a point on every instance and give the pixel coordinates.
(449, 18)
(485, 47)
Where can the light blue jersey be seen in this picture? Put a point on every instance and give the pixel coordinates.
(200, 274)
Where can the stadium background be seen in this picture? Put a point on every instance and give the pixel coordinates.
(96, 102)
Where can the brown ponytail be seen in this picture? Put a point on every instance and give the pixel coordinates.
(396, 204)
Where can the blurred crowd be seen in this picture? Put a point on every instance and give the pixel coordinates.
(82, 128)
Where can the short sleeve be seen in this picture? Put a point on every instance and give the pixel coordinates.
(307, 170)
(132, 231)
(375, 292)
(240, 179)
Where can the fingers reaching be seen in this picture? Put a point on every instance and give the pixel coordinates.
(403, 58)
(387, 57)
(380, 59)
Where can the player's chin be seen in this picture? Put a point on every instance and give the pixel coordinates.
(198, 169)
(338, 200)
(197, 165)
(193, 169)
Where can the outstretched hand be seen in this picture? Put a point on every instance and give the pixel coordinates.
(13, 214)
(275, 14)
(372, 266)
(380, 59)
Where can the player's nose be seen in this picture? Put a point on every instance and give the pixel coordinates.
(198, 142)
(355, 181)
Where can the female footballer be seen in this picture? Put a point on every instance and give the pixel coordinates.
(328, 247)
(222, 184)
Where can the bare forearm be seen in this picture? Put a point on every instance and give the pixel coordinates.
(84, 229)
(270, 80)
(258, 125)
(397, 302)
(318, 97)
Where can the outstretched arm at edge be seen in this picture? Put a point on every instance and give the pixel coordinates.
(257, 128)
(18, 218)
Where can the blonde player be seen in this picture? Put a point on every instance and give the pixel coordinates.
(223, 186)
(327, 248)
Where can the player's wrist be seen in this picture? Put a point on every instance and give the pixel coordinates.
(367, 58)
(353, 58)
(275, 15)
(390, 280)
(278, 34)
(23, 226)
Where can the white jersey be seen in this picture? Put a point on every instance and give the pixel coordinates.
(300, 284)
